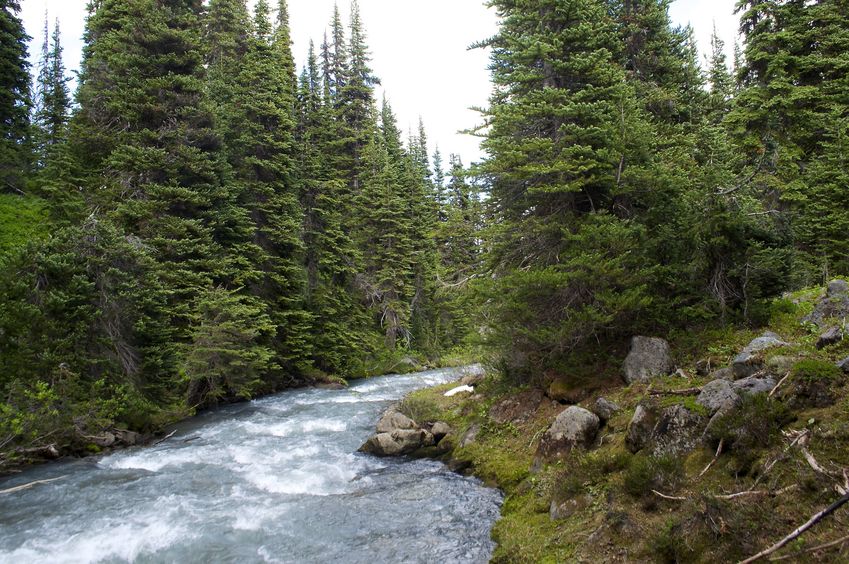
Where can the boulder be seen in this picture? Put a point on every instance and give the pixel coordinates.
(835, 304)
(640, 428)
(399, 441)
(831, 337)
(127, 438)
(605, 409)
(473, 376)
(470, 435)
(752, 386)
(750, 361)
(678, 430)
(574, 427)
(780, 365)
(844, 365)
(717, 395)
(516, 408)
(439, 430)
(648, 358)
(723, 374)
(393, 420)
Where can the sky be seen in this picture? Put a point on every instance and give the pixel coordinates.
(419, 50)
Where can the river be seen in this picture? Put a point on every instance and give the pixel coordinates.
(277, 479)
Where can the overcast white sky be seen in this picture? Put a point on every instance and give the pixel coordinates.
(418, 47)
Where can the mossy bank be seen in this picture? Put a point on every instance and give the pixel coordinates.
(782, 453)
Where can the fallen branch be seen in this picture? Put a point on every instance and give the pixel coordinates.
(825, 546)
(715, 458)
(786, 376)
(684, 392)
(800, 530)
(664, 496)
(757, 492)
(29, 485)
(165, 438)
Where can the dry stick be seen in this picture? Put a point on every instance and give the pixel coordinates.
(786, 376)
(812, 549)
(799, 531)
(757, 492)
(664, 496)
(29, 485)
(715, 457)
(165, 438)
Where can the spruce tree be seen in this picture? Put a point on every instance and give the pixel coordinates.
(561, 130)
(262, 151)
(53, 99)
(15, 100)
(339, 323)
(144, 139)
(719, 78)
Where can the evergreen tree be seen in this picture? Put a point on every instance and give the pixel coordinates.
(53, 100)
(557, 153)
(339, 322)
(15, 100)
(263, 162)
(145, 142)
(719, 78)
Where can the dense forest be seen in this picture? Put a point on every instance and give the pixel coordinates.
(203, 222)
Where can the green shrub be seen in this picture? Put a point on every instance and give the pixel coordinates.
(644, 474)
(754, 425)
(811, 370)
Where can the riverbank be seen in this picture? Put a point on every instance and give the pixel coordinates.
(50, 447)
(668, 469)
(274, 480)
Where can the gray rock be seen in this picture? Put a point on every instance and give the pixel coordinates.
(780, 365)
(753, 386)
(470, 436)
(439, 430)
(393, 420)
(640, 428)
(127, 438)
(837, 288)
(678, 430)
(723, 374)
(574, 427)
(648, 358)
(565, 509)
(844, 365)
(473, 376)
(835, 304)
(716, 395)
(605, 409)
(749, 361)
(398, 442)
(831, 337)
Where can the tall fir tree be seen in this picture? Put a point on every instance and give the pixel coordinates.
(15, 99)
(53, 99)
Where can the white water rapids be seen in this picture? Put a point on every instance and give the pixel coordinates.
(274, 480)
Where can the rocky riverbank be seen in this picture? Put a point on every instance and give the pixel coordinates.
(709, 448)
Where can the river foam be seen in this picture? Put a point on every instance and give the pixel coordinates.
(275, 480)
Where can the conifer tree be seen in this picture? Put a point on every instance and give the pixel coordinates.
(557, 161)
(262, 160)
(719, 78)
(15, 99)
(339, 323)
(145, 142)
(53, 100)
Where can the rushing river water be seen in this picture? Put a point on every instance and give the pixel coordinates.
(274, 480)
